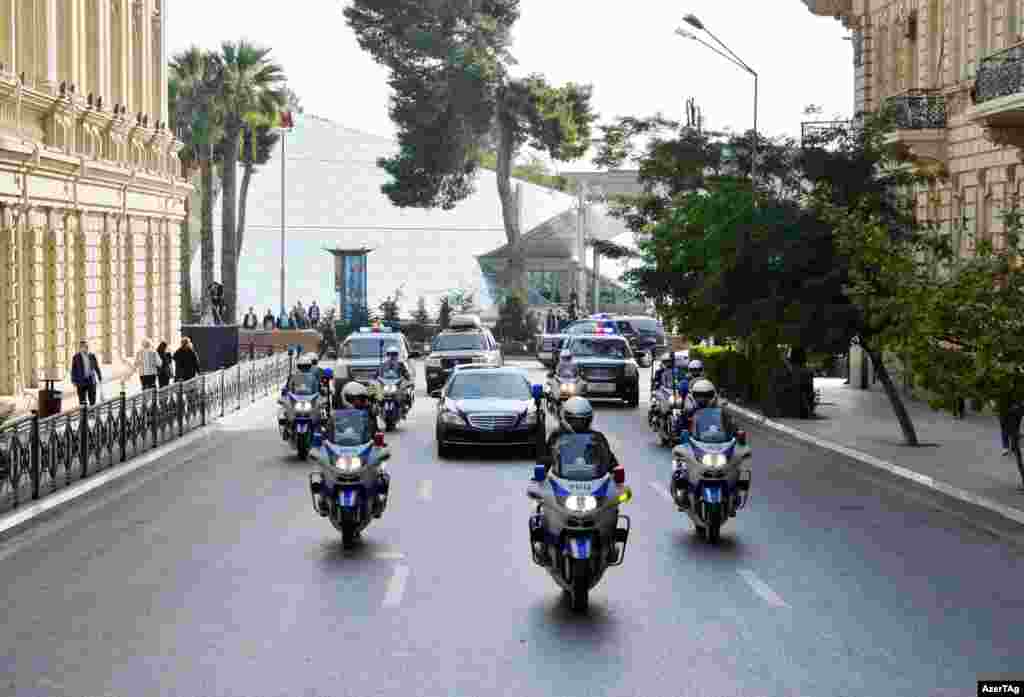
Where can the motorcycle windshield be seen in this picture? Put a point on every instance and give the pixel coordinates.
(303, 384)
(351, 427)
(579, 457)
(709, 426)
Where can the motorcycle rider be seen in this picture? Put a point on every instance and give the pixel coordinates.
(578, 414)
(696, 369)
(703, 395)
(355, 396)
(303, 365)
(392, 362)
(665, 364)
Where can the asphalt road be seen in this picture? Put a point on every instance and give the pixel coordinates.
(207, 574)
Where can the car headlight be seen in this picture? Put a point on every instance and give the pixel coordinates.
(581, 504)
(348, 464)
(433, 362)
(450, 417)
(715, 460)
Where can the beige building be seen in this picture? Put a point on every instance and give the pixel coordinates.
(954, 72)
(91, 190)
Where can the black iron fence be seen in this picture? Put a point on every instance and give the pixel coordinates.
(38, 456)
(917, 110)
(1000, 74)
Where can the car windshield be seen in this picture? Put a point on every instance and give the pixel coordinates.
(650, 327)
(367, 347)
(709, 426)
(580, 458)
(351, 427)
(303, 384)
(470, 341)
(600, 348)
(489, 385)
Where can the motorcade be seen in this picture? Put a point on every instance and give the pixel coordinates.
(300, 415)
(351, 485)
(709, 482)
(465, 341)
(487, 406)
(605, 369)
(576, 530)
(362, 353)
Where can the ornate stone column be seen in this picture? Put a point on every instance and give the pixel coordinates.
(10, 57)
(57, 296)
(51, 46)
(107, 272)
(128, 228)
(8, 311)
(136, 42)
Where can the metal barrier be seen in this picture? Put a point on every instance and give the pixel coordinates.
(38, 456)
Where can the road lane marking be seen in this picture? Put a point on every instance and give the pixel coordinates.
(396, 586)
(662, 491)
(426, 489)
(762, 588)
(394, 556)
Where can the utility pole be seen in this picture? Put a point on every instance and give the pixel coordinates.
(581, 278)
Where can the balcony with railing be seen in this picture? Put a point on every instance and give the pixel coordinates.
(826, 135)
(998, 96)
(919, 118)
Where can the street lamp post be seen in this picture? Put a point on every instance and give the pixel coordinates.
(735, 60)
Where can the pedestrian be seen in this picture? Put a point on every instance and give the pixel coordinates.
(85, 373)
(314, 314)
(250, 321)
(186, 361)
(268, 321)
(164, 372)
(147, 364)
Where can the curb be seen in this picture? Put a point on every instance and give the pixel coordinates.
(82, 487)
(963, 495)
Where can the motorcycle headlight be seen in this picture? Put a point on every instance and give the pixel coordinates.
(434, 362)
(581, 504)
(714, 460)
(303, 406)
(390, 389)
(568, 388)
(348, 464)
(450, 417)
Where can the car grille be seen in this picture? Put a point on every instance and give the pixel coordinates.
(363, 373)
(599, 374)
(449, 363)
(492, 422)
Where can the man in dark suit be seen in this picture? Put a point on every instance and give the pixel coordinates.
(85, 373)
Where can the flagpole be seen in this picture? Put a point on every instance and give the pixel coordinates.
(284, 133)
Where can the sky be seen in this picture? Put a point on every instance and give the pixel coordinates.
(628, 52)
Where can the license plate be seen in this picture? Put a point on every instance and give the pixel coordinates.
(348, 497)
(544, 355)
(300, 428)
(600, 387)
(713, 494)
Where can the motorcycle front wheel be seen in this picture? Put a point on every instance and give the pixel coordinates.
(580, 594)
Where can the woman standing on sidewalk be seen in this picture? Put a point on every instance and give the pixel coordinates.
(186, 361)
(147, 364)
(164, 373)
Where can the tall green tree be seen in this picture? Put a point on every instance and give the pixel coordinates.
(197, 120)
(251, 83)
(454, 99)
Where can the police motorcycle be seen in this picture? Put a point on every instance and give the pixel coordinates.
(390, 388)
(576, 531)
(301, 412)
(351, 486)
(709, 482)
(665, 414)
(562, 386)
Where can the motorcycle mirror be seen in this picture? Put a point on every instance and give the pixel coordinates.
(619, 475)
(537, 391)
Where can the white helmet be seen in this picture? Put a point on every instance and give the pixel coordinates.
(391, 350)
(682, 360)
(696, 369)
(703, 393)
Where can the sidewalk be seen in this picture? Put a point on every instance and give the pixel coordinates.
(961, 458)
(113, 374)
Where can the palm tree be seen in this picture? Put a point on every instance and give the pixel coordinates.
(250, 84)
(198, 122)
(266, 139)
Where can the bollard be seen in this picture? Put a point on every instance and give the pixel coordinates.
(124, 426)
(35, 454)
(181, 409)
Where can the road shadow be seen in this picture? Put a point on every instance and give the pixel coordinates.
(728, 553)
(552, 616)
(331, 553)
(504, 457)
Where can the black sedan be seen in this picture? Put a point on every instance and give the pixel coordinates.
(487, 406)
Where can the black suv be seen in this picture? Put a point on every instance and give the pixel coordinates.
(465, 341)
(606, 366)
(646, 337)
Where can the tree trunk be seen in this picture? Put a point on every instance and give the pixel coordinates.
(243, 199)
(206, 233)
(185, 274)
(228, 240)
(906, 425)
(516, 269)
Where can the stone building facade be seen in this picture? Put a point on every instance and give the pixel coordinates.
(91, 190)
(953, 71)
